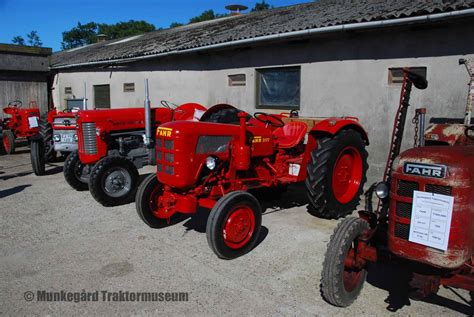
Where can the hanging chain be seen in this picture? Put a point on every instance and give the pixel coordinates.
(415, 121)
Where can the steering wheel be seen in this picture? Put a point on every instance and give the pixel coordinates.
(15, 104)
(168, 104)
(466, 132)
(269, 119)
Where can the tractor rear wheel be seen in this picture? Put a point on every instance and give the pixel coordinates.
(37, 157)
(341, 282)
(46, 133)
(76, 173)
(336, 175)
(234, 225)
(146, 203)
(8, 139)
(113, 181)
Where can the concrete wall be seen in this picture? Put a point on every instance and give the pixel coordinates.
(340, 75)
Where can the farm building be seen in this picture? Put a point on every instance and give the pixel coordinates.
(24, 75)
(325, 58)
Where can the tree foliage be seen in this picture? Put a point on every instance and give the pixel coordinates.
(18, 40)
(33, 39)
(261, 6)
(206, 16)
(83, 34)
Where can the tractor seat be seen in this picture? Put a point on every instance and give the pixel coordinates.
(291, 134)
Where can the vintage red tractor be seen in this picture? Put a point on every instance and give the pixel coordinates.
(20, 123)
(112, 148)
(213, 164)
(425, 217)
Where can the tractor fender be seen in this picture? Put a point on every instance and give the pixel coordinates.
(333, 126)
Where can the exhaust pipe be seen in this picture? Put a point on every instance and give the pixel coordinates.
(84, 101)
(147, 116)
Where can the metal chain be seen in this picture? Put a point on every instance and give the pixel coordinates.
(415, 121)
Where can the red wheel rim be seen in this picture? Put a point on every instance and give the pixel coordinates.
(239, 227)
(6, 143)
(347, 175)
(153, 200)
(351, 275)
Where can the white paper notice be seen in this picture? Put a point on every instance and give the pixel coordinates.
(33, 122)
(294, 169)
(431, 219)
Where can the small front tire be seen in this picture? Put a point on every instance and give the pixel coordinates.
(75, 172)
(8, 139)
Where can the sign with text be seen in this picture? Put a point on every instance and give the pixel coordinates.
(431, 219)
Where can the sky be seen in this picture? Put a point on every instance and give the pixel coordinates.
(52, 17)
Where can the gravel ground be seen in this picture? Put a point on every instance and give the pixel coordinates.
(54, 238)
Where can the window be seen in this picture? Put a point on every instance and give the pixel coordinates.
(278, 88)
(102, 96)
(129, 87)
(395, 74)
(237, 80)
(68, 90)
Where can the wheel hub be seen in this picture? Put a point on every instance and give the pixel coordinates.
(347, 175)
(239, 227)
(118, 183)
(6, 142)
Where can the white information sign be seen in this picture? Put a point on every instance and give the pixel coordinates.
(294, 169)
(431, 219)
(33, 122)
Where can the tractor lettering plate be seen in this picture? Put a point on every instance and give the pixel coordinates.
(427, 170)
(431, 219)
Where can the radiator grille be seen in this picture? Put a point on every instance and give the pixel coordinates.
(406, 188)
(404, 209)
(402, 231)
(90, 141)
(165, 156)
(438, 189)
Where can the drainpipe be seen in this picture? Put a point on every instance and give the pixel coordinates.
(147, 116)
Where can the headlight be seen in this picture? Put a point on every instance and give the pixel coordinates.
(57, 138)
(211, 162)
(75, 138)
(381, 190)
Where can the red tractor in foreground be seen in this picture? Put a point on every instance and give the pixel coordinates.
(21, 123)
(112, 148)
(214, 162)
(425, 216)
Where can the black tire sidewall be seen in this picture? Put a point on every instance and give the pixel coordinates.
(71, 164)
(220, 212)
(11, 140)
(37, 158)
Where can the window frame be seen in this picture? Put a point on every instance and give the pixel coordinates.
(95, 97)
(127, 87)
(259, 71)
(232, 82)
(397, 81)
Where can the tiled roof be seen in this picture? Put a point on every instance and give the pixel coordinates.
(300, 17)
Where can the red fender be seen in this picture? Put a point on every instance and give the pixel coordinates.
(333, 126)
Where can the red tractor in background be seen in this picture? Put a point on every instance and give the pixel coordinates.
(213, 164)
(112, 148)
(425, 216)
(21, 123)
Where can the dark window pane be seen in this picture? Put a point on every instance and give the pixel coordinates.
(279, 87)
(102, 96)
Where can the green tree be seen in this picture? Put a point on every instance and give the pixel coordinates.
(34, 39)
(206, 16)
(175, 25)
(18, 40)
(83, 34)
(261, 6)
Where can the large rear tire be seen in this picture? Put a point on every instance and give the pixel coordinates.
(234, 225)
(8, 139)
(340, 285)
(336, 174)
(113, 181)
(37, 157)
(46, 133)
(75, 172)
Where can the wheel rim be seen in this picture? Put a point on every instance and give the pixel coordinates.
(352, 275)
(118, 183)
(6, 142)
(239, 227)
(347, 175)
(82, 172)
(153, 200)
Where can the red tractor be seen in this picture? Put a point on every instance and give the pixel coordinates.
(213, 164)
(112, 147)
(21, 123)
(425, 216)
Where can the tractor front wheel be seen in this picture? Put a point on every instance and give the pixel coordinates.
(234, 225)
(341, 280)
(336, 174)
(8, 139)
(75, 172)
(146, 203)
(37, 157)
(113, 181)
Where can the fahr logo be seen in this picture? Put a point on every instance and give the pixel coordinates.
(427, 170)
(67, 123)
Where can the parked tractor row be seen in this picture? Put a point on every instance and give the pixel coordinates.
(216, 158)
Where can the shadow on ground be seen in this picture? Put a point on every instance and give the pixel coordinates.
(395, 279)
(12, 191)
(10, 176)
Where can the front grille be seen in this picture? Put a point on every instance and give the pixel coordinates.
(68, 122)
(406, 188)
(165, 156)
(90, 140)
(404, 209)
(439, 189)
(402, 231)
